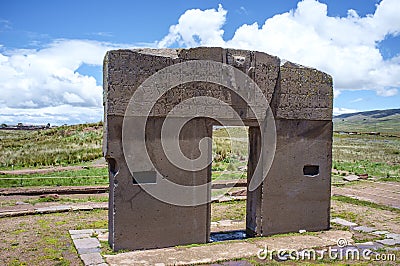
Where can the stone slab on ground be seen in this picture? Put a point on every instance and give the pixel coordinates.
(225, 222)
(82, 251)
(364, 229)
(231, 250)
(79, 232)
(224, 198)
(393, 249)
(54, 209)
(218, 184)
(16, 213)
(389, 241)
(369, 245)
(343, 222)
(88, 246)
(92, 259)
(79, 236)
(82, 208)
(102, 234)
(85, 243)
(51, 209)
(378, 233)
(394, 236)
(351, 178)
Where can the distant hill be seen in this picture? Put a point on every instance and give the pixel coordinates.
(383, 121)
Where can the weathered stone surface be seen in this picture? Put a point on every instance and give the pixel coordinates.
(296, 193)
(88, 246)
(82, 251)
(389, 241)
(78, 236)
(392, 249)
(53, 209)
(369, 245)
(225, 222)
(141, 221)
(103, 236)
(86, 243)
(343, 222)
(364, 229)
(100, 231)
(292, 200)
(380, 232)
(392, 235)
(202, 53)
(303, 93)
(83, 231)
(351, 178)
(82, 208)
(92, 259)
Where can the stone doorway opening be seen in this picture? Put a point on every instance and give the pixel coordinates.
(230, 154)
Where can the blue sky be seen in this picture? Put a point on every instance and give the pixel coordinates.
(51, 51)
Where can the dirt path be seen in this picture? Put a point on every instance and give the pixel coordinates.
(22, 203)
(363, 215)
(49, 170)
(44, 239)
(385, 193)
(53, 190)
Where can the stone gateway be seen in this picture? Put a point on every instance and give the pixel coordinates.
(160, 109)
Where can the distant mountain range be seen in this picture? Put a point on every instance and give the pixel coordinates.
(383, 121)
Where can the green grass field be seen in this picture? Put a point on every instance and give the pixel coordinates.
(63, 145)
(378, 156)
(85, 177)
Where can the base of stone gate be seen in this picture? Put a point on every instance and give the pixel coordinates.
(87, 243)
(226, 251)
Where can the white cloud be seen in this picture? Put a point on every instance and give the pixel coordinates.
(102, 34)
(55, 115)
(40, 79)
(197, 27)
(345, 47)
(242, 10)
(5, 25)
(38, 85)
(357, 100)
(336, 93)
(339, 111)
(72, 98)
(387, 92)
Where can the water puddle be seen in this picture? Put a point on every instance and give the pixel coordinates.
(227, 235)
